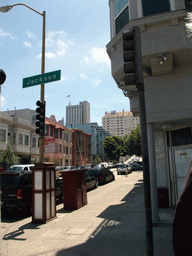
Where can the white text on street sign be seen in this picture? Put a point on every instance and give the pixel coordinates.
(42, 79)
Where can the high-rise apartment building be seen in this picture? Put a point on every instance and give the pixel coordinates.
(78, 114)
(119, 123)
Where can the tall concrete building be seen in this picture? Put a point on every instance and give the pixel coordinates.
(166, 45)
(78, 114)
(119, 123)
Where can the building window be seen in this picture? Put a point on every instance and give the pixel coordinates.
(51, 131)
(67, 137)
(151, 7)
(34, 142)
(56, 133)
(33, 119)
(20, 140)
(181, 137)
(56, 148)
(63, 149)
(188, 5)
(60, 148)
(67, 150)
(14, 138)
(121, 14)
(46, 130)
(60, 134)
(26, 140)
(2, 135)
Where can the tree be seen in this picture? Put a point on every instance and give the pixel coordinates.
(8, 158)
(133, 143)
(114, 147)
(97, 160)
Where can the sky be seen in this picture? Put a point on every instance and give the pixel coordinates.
(77, 32)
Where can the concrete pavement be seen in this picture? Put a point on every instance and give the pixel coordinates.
(112, 223)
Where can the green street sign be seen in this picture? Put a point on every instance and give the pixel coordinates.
(42, 79)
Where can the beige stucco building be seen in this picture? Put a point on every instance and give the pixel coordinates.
(166, 45)
(17, 127)
(119, 123)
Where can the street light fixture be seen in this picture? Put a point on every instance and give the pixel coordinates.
(5, 9)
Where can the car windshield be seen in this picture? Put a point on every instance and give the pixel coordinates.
(15, 169)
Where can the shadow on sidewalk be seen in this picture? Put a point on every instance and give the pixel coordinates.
(121, 232)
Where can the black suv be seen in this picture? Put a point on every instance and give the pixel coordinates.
(103, 174)
(16, 188)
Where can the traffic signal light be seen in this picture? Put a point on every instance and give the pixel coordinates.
(133, 74)
(2, 76)
(40, 117)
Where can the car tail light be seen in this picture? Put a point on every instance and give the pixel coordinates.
(19, 194)
(100, 177)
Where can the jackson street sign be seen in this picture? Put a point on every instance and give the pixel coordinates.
(42, 79)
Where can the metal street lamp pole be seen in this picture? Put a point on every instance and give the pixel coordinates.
(5, 9)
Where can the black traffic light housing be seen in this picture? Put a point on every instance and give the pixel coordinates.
(133, 73)
(2, 76)
(40, 117)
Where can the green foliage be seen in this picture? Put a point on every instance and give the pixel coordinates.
(8, 158)
(97, 160)
(114, 147)
(133, 143)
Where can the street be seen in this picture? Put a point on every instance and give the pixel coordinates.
(112, 223)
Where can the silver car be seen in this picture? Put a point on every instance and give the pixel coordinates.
(124, 168)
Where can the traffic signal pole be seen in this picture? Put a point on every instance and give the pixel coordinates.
(133, 80)
(41, 137)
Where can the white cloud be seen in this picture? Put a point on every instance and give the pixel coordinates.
(83, 76)
(63, 79)
(100, 55)
(47, 96)
(4, 34)
(47, 55)
(96, 82)
(86, 59)
(3, 101)
(31, 35)
(27, 44)
(57, 43)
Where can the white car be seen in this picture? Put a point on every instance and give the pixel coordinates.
(20, 167)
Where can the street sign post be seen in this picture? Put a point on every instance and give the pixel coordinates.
(42, 79)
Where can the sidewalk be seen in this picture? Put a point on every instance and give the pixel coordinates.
(112, 225)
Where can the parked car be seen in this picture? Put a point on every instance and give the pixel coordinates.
(110, 165)
(91, 180)
(135, 166)
(58, 170)
(59, 189)
(20, 167)
(67, 168)
(103, 174)
(124, 168)
(16, 188)
(88, 166)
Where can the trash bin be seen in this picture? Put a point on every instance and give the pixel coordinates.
(74, 189)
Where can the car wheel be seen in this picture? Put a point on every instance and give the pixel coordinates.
(118, 173)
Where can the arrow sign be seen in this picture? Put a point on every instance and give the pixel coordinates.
(42, 79)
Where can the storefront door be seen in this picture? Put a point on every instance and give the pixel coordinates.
(181, 160)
